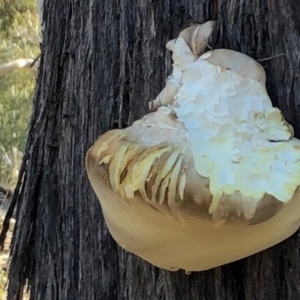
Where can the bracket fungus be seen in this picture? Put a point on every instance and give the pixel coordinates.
(212, 175)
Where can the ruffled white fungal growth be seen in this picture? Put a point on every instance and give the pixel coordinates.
(210, 177)
(245, 141)
(186, 49)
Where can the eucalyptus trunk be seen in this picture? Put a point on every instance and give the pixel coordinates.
(101, 62)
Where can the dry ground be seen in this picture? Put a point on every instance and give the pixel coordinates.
(4, 259)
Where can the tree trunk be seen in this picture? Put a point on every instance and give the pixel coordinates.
(102, 61)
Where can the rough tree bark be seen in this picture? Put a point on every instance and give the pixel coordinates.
(102, 61)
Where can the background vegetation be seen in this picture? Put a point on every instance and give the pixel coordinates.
(19, 29)
(18, 39)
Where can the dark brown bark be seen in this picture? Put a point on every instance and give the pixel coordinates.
(101, 62)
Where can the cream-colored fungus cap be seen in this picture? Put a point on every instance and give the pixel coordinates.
(212, 175)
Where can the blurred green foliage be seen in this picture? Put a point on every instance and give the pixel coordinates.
(18, 39)
(10, 8)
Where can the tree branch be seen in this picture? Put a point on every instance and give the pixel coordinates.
(22, 63)
(5, 190)
(40, 7)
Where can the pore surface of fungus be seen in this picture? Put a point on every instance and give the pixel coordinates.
(212, 175)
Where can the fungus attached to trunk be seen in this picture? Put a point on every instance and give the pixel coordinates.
(212, 175)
